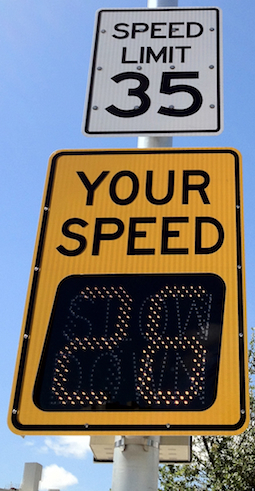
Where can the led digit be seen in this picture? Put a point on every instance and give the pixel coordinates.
(103, 347)
(153, 327)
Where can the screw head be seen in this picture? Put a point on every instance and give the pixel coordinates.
(95, 108)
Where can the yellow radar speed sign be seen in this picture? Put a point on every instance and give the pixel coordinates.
(135, 315)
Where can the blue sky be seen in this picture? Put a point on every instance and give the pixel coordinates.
(45, 54)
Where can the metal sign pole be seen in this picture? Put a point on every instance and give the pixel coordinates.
(135, 463)
(157, 141)
(136, 459)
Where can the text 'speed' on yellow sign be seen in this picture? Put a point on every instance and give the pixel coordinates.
(135, 316)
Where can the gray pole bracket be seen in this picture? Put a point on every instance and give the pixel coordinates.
(146, 442)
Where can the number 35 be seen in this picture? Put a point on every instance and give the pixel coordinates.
(165, 88)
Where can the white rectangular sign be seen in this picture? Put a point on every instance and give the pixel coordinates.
(155, 72)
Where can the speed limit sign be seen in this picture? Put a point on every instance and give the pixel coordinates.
(155, 72)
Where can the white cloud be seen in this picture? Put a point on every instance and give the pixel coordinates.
(69, 446)
(29, 443)
(55, 477)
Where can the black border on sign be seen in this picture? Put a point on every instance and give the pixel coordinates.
(159, 132)
(85, 428)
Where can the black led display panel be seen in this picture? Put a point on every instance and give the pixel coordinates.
(132, 342)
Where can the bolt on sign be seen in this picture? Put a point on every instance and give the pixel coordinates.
(135, 315)
(155, 71)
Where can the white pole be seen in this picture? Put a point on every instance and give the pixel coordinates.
(135, 463)
(157, 141)
(161, 3)
(136, 459)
